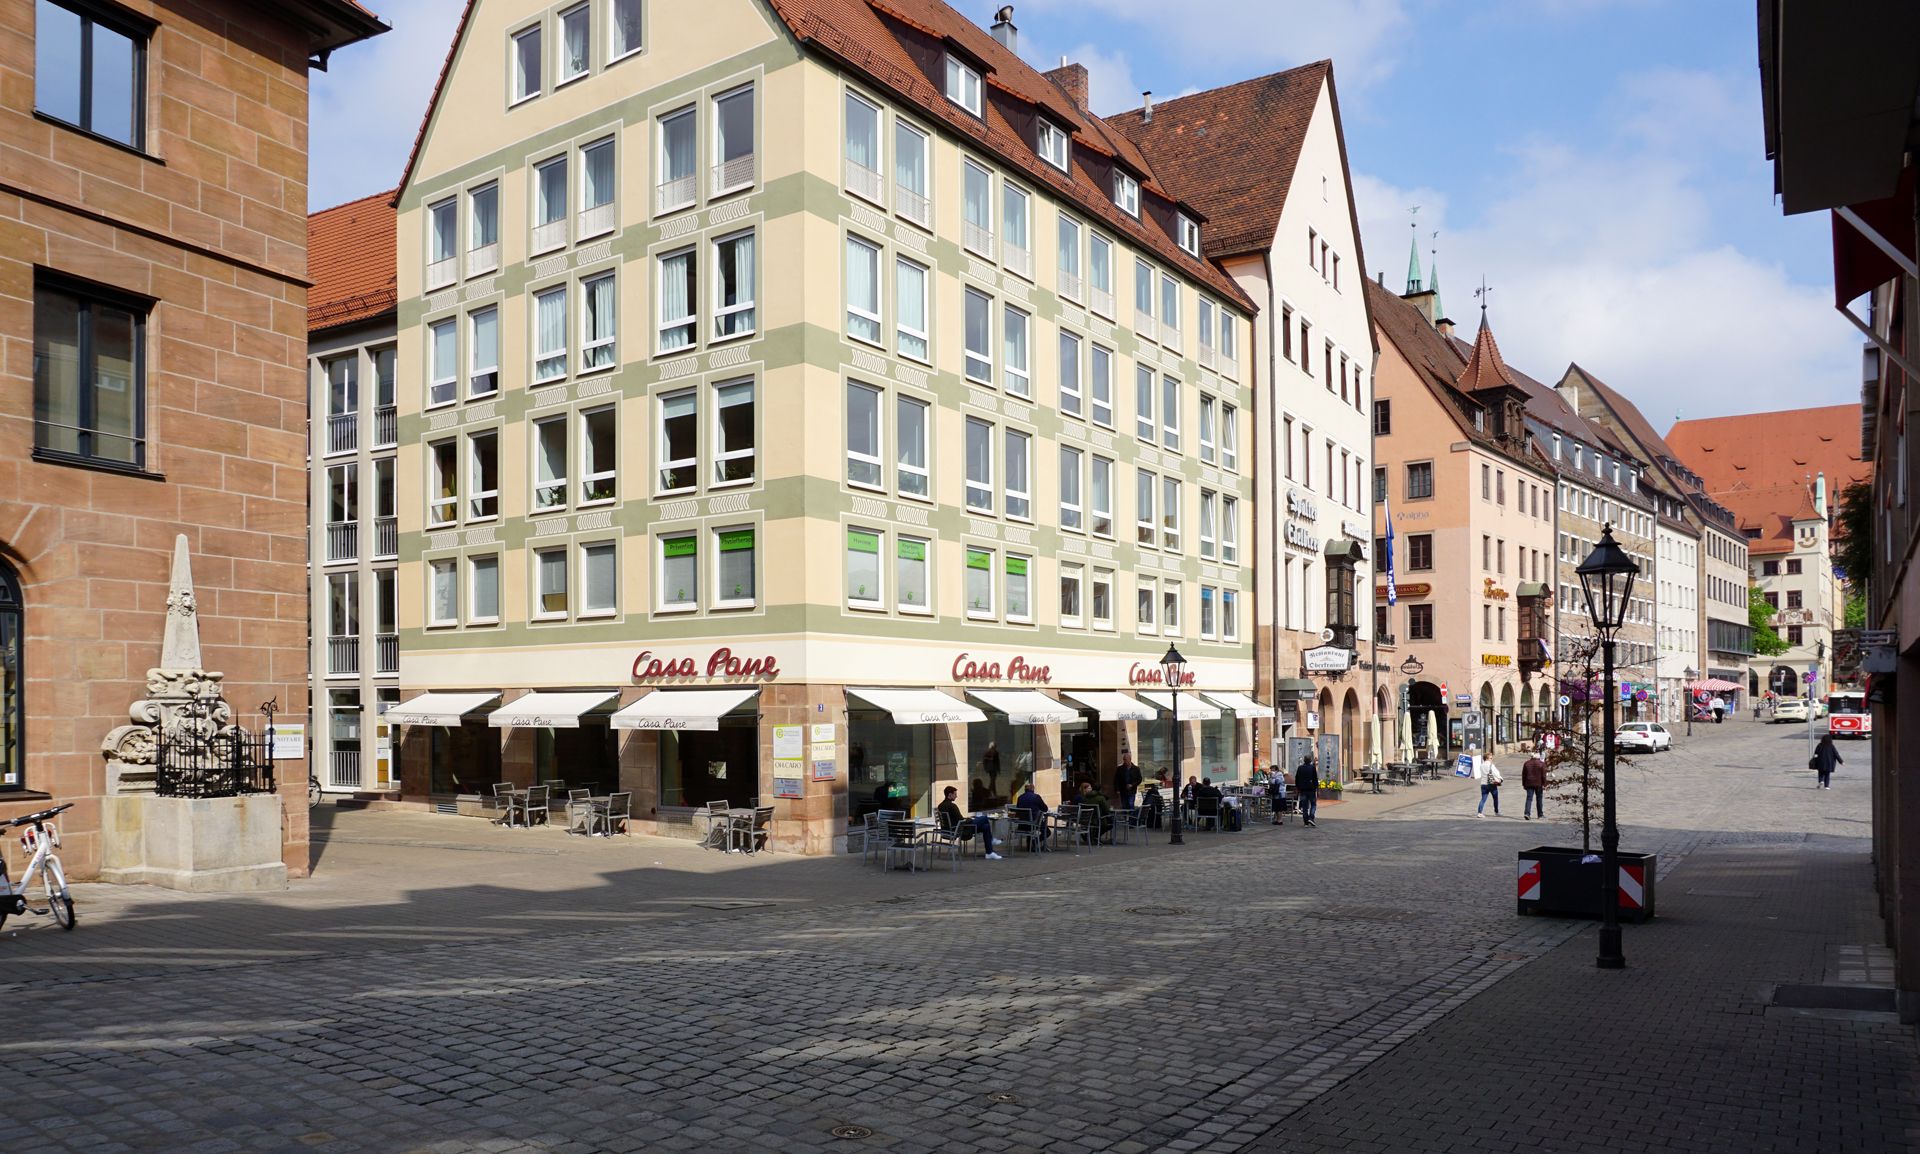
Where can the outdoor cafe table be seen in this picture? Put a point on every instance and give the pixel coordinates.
(1373, 777)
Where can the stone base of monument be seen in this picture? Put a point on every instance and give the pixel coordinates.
(200, 845)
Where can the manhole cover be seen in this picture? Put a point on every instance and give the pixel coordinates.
(851, 1132)
(1156, 911)
(1001, 1098)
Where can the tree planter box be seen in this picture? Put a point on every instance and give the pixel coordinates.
(1553, 880)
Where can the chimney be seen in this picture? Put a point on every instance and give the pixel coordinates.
(1820, 493)
(1072, 79)
(1004, 31)
(1445, 326)
(1146, 107)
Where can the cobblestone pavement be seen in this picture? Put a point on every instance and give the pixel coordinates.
(1365, 985)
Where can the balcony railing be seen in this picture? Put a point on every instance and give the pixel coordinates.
(597, 220)
(977, 238)
(483, 260)
(386, 427)
(344, 767)
(730, 175)
(1206, 356)
(343, 541)
(1018, 260)
(674, 194)
(441, 273)
(343, 656)
(1070, 285)
(387, 653)
(1143, 324)
(1102, 301)
(549, 236)
(386, 538)
(912, 205)
(343, 432)
(864, 182)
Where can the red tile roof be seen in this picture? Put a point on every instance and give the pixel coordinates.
(350, 259)
(1767, 450)
(1485, 367)
(873, 37)
(867, 35)
(1231, 151)
(1772, 509)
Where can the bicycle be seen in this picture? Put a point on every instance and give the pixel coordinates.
(40, 840)
(313, 791)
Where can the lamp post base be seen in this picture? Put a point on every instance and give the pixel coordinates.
(1610, 956)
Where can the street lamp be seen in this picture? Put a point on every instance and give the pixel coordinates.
(1606, 578)
(1171, 667)
(1686, 692)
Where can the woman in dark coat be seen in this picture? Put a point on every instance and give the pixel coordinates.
(1825, 757)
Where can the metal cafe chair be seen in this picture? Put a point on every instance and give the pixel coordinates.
(718, 826)
(749, 830)
(903, 841)
(580, 811)
(532, 802)
(503, 803)
(616, 811)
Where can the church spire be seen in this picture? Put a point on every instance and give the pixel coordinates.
(1433, 283)
(1413, 264)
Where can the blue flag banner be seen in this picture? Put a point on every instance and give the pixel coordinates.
(1392, 599)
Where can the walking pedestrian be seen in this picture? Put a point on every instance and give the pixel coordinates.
(1489, 775)
(1719, 710)
(1126, 779)
(1824, 758)
(1533, 779)
(1276, 793)
(1306, 782)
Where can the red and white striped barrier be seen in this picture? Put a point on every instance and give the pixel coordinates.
(1633, 886)
(1529, 881)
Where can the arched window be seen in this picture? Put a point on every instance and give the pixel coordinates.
(13, 690)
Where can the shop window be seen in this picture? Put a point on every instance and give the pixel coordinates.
(734, 585)
(864, 590)
(1019, 588)
(679, 573)
(698, 767)
(911, 575)
(979, 583)
(463, 759)
(889, 766)
(1001, 753)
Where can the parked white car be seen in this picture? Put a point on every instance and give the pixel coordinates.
(1642, 737)
(1789, 709)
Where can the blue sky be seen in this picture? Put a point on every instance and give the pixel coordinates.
(1598, 161)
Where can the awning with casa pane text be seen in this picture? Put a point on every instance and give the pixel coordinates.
(680, 709)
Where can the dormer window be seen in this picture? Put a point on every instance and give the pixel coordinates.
(1187, 233)
(1126, 193)
(963, 86)
(1053, 144)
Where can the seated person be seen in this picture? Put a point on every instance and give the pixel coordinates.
(1103, 810)
(1033, 808)
(1155, 805)
(952, 819)
(1206, 798)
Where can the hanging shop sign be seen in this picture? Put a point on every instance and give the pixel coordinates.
(1018, 669)
(1138, 674)
(1403, 591)
(1328, 659)
(1299, 532)
(722, 662)
(1489, 589)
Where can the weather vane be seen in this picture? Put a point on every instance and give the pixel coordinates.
(1483, 292)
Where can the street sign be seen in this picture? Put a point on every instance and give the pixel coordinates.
(1463, 699)
(1565, 700)
(1807, 677)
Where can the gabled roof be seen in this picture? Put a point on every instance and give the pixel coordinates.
(866, 35)
(350, 259)
(1628, 414)
(1763, 450)
(329, 24)
(1772, 509)
(1232, 151)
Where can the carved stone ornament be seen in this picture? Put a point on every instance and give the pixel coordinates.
(183, 701)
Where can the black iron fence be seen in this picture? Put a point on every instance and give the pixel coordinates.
(225, 764)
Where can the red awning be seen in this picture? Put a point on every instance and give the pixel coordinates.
(1858, 264)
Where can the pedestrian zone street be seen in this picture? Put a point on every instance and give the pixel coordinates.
(1366, 985)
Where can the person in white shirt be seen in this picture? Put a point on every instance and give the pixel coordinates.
(1488, 774)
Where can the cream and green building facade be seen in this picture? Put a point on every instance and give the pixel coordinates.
(780, 422)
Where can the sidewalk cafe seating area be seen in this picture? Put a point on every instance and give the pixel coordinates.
(522, 808)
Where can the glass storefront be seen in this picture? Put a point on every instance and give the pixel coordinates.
(1000, 757)
(1220, 749)
(889, 766)
(1156, 747)
(1080, 750)
(699, 766)
(584, 758)
(464, 758)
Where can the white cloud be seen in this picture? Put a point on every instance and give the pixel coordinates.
(367, 106)
(1609, 254)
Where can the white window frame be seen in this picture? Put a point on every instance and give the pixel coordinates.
(586, 609)
(1068, 229)
(1229, 437)
(877, 602)
(747, 307)
(1075, 576)
(562, 483)
(590, 345)
(1072, 497)
(915, 204)
(905, 333)
(1145, 423)
(1187, 234)
(1006, 585)
(476, 494)
(434, 475)
(1053, 144)
(1018, 257)
(562, 77)
(1146, 527)
(963, 85)
(436, 567)
(1230, 529)
(476, 370)
(927, 552)
(661, 604)
(665, 463)
(1096, 508)
(443, 235)
(538, 589)
(864, 311)
(691, 321)
(742, 92)
(540, 203)
(1169, 310)
(1170, 413)
(1209, 512)
(1170, 594)
(1098, 578)
(981, 487)
(924, 470)
(1126, 193)
(1208, 448)
(1016, 378)
(548, 355)
(1146, 594)
(473, 564)
(989, 611)
(1100, 385)
(613, 23)
(691, 179)
(972, 357)
(1209, 608)
(1171, 496)
(586, 228)
(724, 393)
(437, 380)
(517, 54)
(1100, 295)
(752, 599)
(875, 176)
(1229, 614)
(1017, 495)
(1072, 401)
(976, 236)
(877, 458)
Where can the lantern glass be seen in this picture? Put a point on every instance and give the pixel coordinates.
(1171, 666)
(1606, 578)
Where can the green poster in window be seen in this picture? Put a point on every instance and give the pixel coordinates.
(859, 542)
(737, 540)
(912, 550)
(1016, 566)
(678, 547)
(979, 560)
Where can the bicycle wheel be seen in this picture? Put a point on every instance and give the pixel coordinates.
(61, 905)
(313, 791)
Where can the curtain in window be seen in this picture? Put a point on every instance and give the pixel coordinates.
(626, 27)
(553, 334)
(577, 25)
(553, 581)
(863, 294)
(599, 175)
(445, 603)
(600, 311)
(550, 463)
(553, 191)
(910, 159)
(910, 308)
(443, 343)
(863, 134)
(677, 142)
(486, 340)
(676, 300)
